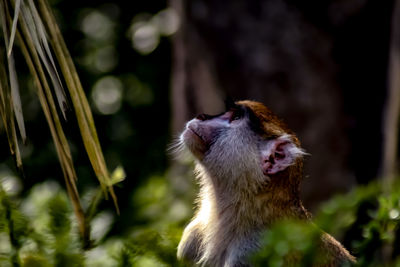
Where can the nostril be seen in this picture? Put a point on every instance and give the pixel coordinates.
(279, 155)
(202, 117)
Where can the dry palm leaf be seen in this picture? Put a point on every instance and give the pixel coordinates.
(33, 28)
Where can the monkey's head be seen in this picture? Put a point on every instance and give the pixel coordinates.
(245, 144)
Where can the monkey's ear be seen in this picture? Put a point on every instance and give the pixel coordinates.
(278, 154)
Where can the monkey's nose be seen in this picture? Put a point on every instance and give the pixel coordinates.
(203, 117)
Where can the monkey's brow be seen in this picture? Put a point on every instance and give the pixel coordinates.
(254, 120)
(230, 104)
(235, 107)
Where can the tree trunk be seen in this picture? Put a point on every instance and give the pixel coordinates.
(284, 56)
(392, 108)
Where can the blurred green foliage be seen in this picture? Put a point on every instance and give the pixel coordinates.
(366, 220)
(285, 239)
(39, 229)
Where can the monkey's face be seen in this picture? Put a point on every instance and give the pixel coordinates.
(247, 138)
(203, 132)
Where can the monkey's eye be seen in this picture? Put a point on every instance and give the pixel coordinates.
(237, 115)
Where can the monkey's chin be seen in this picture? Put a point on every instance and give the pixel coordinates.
(194, 142)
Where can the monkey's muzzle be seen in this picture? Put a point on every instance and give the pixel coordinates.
(194, 140)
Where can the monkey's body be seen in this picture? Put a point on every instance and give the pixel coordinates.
(249, 169)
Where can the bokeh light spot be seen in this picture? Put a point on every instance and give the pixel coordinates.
(145, 37)
(11, 184)
(101, 224)
(394, 214)
(107, 95)
(96, 25)
(167, 21)
(106, 59)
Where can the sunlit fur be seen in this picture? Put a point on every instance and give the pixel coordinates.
(237, 201)
(177, 148)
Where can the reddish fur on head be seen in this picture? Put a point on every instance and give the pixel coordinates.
(271, 125)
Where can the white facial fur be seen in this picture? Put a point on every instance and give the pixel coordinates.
(225, 148)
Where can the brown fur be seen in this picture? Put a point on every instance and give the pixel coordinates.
(236, 201)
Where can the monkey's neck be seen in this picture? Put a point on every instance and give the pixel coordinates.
(234, 219)
(259, 205)
(250, 209)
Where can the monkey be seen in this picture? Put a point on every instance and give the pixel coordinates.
(249, 166)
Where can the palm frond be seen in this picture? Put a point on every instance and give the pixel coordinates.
(7, 114)
(15, 96)
(14, 26)
(79, 101)
(33, 31)
(37, 32)
(60, 141)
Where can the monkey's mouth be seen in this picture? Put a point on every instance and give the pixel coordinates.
(195, 141)
(193, 131)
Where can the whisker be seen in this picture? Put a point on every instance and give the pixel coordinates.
(177, 149)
